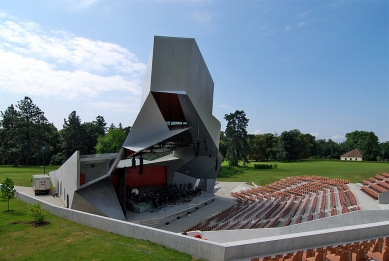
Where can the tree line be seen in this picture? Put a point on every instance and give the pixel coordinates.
(28, 138)
(292, 145)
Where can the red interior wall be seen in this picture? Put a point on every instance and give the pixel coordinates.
(152, 175)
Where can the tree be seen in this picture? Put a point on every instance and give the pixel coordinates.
(111, 142)
(370, 147)
(355, 140)
(37, 212)
(31, 121)
(236, 136)
(384, 148)
(7, 191)
(306, 144)
(288, 146)
(223, 144)
(101, 123)
(10, 135)
(72, 136)
(257, 147)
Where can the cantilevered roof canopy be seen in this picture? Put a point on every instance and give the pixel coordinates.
(147, 142)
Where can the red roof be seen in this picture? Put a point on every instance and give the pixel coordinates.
(353, 153)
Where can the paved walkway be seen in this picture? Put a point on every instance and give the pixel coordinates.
(47, 198)
(364, 201)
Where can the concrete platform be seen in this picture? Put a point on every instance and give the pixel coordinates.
(56, 201)
(216, 202)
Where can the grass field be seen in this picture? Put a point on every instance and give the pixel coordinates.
(22, 175)
(353, 171)
(66, 240)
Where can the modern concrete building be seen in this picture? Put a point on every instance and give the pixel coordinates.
(354, 155)
(174, 139)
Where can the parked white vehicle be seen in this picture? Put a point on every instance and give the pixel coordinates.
(41, 184)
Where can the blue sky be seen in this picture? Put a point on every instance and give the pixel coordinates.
(318, 66)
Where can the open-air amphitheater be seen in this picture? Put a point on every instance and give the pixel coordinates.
(162, 184)
(296, 218)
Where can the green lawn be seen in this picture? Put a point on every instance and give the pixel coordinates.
(22, 175)
(353, 171)
(66, 240)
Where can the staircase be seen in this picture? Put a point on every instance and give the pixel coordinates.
(151, 222)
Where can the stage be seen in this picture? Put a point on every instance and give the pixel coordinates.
(208, 204)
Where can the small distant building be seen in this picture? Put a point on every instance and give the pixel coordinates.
(354, 155)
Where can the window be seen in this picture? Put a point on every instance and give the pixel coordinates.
(351, 158)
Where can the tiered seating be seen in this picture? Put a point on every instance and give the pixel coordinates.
(323, 204)
(371, 179)
(296, 207)
(307, 200)
(375, 249)
(384, 184)
(376, 185)
(378, 188)
(288, 207)
(370, 192)
(273, 222)
(314, 203)
(287, 201)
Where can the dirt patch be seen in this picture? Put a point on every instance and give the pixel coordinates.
(7, 211)
(33, 223)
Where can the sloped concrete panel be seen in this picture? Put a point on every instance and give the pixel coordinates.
(79, 203)
(198, 167)
(168, 75)
(102, 196)
(147, 80)
(148, 123)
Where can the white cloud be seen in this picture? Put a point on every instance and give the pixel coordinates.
(116, 106)
(257, 132)
(203, 17)
(288, 28)
(303, 14)
(223, 106)
(301, 24)
(62, 64)
(338, 138)
(79, 4)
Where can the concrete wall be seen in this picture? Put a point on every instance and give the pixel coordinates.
(69, 177)
(209, 250)
(351, 158)
(383, 198)
(91, 173)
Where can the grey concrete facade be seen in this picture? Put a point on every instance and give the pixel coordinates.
(176, 113)
(66, 179)
(175, 118)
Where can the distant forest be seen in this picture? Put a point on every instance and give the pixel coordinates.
(28, 138)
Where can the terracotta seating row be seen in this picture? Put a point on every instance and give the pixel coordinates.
(375, 249)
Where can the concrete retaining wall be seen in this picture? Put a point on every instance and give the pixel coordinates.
(221, 251)
(196, 247)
